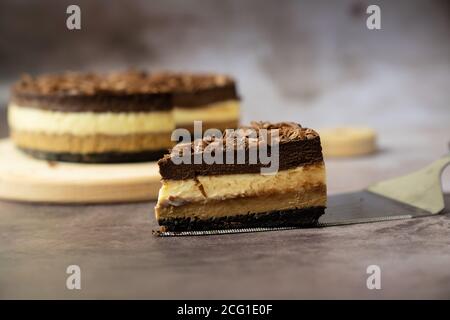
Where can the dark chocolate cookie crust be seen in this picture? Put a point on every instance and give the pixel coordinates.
(307, 217)
(109, 157)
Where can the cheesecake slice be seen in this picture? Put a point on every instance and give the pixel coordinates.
(200, 195)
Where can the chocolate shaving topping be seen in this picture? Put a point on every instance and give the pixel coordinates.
(129, 82)
(249, 136)
(130, 91)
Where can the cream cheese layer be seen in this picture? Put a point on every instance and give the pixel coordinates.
(206, 188)
(214, 112)
(24, 118)
(88, 123)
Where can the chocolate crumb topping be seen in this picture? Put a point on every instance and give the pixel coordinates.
(129, 82)
(288, 130)
(188, 82)
(248, 137)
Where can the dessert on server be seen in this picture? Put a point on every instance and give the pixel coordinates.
(116, 117)
(206, 196)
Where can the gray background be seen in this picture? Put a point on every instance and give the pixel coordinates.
(314, 62)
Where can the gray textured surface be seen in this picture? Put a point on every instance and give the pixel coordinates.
(119, 257)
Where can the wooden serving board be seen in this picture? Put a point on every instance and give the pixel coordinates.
(23, 178)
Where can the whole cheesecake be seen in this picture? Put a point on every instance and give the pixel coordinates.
(116, 117)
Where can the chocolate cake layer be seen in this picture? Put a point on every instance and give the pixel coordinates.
(292, 139)
(107, 157)
(205, 96)
(100, 102)
(192, 90)
(307, 217)
(76, 92)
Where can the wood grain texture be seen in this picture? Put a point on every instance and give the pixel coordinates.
(26, 179)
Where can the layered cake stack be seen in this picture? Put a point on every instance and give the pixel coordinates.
(118, 117)
(205, 196)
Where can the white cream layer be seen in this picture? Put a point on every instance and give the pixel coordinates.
(214, 112)
(89, 123)
(179, 192)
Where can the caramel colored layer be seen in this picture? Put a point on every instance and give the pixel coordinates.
(315, 197)
(91, 143)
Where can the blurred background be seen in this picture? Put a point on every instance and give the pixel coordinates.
(314, 62)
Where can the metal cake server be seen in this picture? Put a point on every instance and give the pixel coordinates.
(417, 194)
